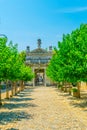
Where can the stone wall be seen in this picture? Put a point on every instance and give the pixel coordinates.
(83, 85)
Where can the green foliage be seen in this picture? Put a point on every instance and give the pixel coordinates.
(12, 63)
(74, 90)
(69, 63)
(22, 55)
(25, 73)
(54, 71)
(3, 57)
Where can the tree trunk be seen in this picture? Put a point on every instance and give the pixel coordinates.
(58, 85)
(78, 86)
(12, 89)
(62, 84)
(19, 88)
(15, 88)
(0, 95)
(70, 88)
(22, 86)
(7, 90)
(65, 87)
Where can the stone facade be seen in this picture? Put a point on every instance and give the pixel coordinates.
(38, 59)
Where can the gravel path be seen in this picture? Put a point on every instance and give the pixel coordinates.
(41, 108)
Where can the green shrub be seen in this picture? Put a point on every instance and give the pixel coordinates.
(74, 90)
(60, 86)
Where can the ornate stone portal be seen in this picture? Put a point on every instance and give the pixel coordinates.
(38, 60)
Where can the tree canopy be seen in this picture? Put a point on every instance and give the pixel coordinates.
(12, 66)
(69, 63)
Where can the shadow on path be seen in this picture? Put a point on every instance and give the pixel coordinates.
(78, 102)
(18, 105)
(13, 110)
(12, 129)
(73, 101)
(82, 104)
(20, 99)
(8, 117)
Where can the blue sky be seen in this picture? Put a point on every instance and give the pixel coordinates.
(24, 21)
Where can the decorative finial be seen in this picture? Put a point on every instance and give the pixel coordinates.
(27, 49)
(39, 43)
(50, 48)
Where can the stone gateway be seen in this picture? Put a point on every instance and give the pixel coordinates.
(38, 60)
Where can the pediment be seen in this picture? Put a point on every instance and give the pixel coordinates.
(39, 50)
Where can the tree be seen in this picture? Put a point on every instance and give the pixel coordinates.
(3, 60)
(25, 74)
(71, 57)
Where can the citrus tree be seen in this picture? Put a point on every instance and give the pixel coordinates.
(70, 62)
(26, 74)
(3, 60)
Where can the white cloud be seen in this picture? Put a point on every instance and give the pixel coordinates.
(72, 10)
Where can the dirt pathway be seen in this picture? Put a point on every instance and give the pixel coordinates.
(41, 108)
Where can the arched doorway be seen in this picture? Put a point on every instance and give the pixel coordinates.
(39, 77)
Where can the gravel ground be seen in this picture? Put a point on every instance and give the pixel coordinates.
(41, 108)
